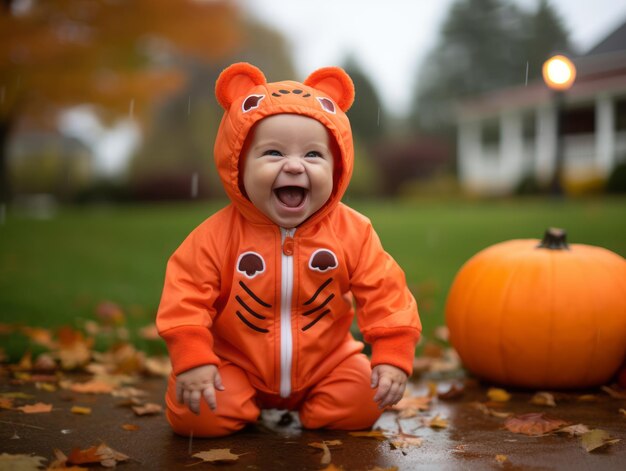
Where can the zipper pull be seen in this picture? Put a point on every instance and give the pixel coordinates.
(288, 246)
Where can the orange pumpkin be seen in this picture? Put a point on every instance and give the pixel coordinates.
(540, 315)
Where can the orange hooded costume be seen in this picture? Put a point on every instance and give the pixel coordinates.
(273, 308)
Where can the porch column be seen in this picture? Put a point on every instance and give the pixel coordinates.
(511, 149)
(469, 152)
(605, 134)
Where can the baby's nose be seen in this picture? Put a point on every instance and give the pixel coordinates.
(293, 165)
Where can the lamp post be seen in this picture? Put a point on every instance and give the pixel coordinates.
(559, 74)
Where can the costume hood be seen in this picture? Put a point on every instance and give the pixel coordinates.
(246, 97)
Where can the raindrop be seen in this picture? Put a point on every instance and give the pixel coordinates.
(189, 106)
(131, 108)
(526, 73)
(66, 431)
(190, 441)
(2, 94)
(378, 118)
(194, 185)
(3, 214)
(15, 436)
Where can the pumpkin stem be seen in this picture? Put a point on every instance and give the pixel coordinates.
(554, 239)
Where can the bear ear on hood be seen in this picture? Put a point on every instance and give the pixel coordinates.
(236, 80)
(336, 83)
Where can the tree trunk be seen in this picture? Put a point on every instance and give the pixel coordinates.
(5, 181)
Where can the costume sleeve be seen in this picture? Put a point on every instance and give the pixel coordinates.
(386, 310)
(187, 309)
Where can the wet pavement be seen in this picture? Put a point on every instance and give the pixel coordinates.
(472, 440)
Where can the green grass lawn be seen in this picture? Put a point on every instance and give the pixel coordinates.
(54, 272)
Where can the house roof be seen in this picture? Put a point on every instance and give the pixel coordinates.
(615, 41)
(601, 70)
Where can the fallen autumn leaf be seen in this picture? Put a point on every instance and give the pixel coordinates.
(216, 455)
(533, 424)
(543, 399)
(38, 408)
(596, 439)
(20, 462)
(498, 395)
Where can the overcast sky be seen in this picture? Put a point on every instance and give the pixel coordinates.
(390, 38)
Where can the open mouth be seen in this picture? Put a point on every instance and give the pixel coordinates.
(291, 196)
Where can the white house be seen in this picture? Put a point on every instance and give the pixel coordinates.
(509, 135)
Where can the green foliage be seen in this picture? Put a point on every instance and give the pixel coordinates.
(180, 143)
(367, 117)
(484, 45)
(55, 272)
(617, 180)
(365, 182)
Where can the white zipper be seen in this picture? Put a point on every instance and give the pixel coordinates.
(286, 294)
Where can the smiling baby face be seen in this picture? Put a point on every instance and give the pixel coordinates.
(288, 169)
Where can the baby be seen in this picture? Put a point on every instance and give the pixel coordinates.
(259, 299)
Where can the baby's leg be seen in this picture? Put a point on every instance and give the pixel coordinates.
(236, 407)
(344, 400)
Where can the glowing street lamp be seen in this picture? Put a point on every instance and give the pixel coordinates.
(559, 74)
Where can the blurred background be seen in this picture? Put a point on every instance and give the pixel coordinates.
(108, 119)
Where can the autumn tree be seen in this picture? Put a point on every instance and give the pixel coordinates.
(120, 56)
(176, 158)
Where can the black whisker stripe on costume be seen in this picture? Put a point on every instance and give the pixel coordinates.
(247, 308)
(250, 324)
(312, 323)
(326, 301)
(254, 296)
(319, 290)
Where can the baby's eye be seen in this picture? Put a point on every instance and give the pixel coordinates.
(272, 152)
(313, 153)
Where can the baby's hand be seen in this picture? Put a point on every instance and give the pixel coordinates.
(196, 383)
(391, 382)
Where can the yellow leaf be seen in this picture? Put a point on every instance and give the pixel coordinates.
(543, 399)
(377, 434)
(501, 459)
(498, 395)
(326, 457)
(80, 410)
(48, 387)
(25, 462)
(596, 439)
(436, 422)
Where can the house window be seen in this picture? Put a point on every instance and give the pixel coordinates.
(490, 132)
(620, 114)
(580, 120)
(528, 126)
